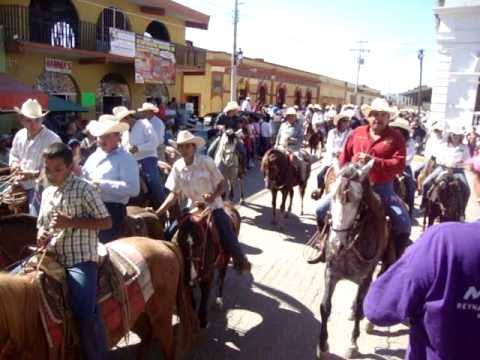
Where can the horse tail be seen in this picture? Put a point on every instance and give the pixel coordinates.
(189, 325)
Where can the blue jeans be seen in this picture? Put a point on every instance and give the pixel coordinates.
(394, 208)
(117, 212)
(152, 176)
(411, 186)
(82, 293)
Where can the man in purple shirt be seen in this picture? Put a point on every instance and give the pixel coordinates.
(436, 286)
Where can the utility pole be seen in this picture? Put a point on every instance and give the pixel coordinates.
(421, 54)
(233, 75)
(360, 61)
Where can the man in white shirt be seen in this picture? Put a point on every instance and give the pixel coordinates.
(433, 146)
(141, 141)
(265, 135)
(148, 111)
(246, 104)
(26, 158)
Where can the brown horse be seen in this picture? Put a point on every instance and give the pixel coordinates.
(313, 138)
(281, 175)
(200, 244)
(17, 234)
(22, 334)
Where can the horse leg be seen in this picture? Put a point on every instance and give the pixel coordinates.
(222, 272)
(242, 191)
(325, 310)
(352, 352)
(274, 207)
(302, 195)
(232, 185)
(284, 203)
(205, 288)
(160, 316)
(290, 193)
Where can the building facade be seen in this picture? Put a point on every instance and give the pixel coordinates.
(264, 83)
(456, 95)
(63, 48)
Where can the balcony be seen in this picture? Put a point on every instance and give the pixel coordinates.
(72, 38)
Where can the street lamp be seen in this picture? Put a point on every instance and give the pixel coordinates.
(421, 54)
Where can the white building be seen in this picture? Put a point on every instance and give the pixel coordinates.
(456, 95)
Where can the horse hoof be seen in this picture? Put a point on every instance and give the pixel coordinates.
(322, 354)
(219, 302)
(369, 328)
(352, 353)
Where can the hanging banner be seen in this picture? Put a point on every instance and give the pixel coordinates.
(154, 61)
(122, 42)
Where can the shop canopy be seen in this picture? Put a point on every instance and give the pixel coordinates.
(14, 93)
(57, 104)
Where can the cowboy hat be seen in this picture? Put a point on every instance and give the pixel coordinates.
(317, 107)
(438, 126)
(148, 107)
(378, 104)
(106, 124)
(310, 106)
(291, 111)
(401, 124)
(347, 114)
(231, 106)
(31, 109)
(121, 112)
(456, 130)
(186, 137)
(248, 98)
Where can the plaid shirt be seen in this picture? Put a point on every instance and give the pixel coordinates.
(78, 199)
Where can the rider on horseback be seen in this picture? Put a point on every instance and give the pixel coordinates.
(197, 177)
(378, 142)
(71, 214)
(433, 145)
(290, 140)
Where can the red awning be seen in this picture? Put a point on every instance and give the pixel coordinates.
(14, 93)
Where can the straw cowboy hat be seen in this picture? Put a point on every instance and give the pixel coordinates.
(148, 107)
(231, 106)
(121, 112)
(31, 109)
(317, 107)
(347, 114)
(378, 104)
(186, 137)
(106, 124)
(291, 111)
(437, 125)
(401, 124)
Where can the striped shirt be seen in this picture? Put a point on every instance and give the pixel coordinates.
(75, 198)
(28, 153)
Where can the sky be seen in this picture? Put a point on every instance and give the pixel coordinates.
(317, 35)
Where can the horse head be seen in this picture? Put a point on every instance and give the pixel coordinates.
(447, 195)
(348, 192)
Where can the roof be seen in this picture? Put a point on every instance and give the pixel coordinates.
(15, 93)
(192, 18)
(57, 104)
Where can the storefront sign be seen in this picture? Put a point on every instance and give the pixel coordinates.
(122, 43)
(58, 66)
(88, 99)
(154, 61)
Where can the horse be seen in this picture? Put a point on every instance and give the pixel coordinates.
(358, 238)
(203, 254)
(445, 200)
(22, 333)
(281, 175)
(229, 163)
(17, 234)
(313, 138)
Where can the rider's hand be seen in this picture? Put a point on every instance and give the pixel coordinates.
(209, 197)
(42, 238)
(364, 157)
(60, 221)
(133, 149)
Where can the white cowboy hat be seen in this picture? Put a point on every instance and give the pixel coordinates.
(347, 114)
(231, 106)
(295, 107)
(456, 130)
(31, 109)
(120, 112)
(106, 124)
(148, 107)
(248, 98)
(186, 137)
(317, 107)
(381, 105)
(401, 124)
(291, 111)
(437, 125)
(310, 106)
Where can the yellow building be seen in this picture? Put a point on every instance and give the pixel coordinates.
(264, 83)
(64, 48)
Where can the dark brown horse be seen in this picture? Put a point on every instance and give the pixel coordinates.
(22, 335)
(281, 175)
(200, 244)
(17, 234)
(313, 138)
(358, 239)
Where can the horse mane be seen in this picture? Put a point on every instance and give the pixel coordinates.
(19, 306)
(17, 219)
(274, 155)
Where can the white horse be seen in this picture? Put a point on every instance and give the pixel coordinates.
(228, 161)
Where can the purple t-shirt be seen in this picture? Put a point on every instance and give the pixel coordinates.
(436, 285)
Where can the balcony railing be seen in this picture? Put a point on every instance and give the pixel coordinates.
(22, 24)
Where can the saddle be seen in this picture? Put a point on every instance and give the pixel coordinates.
(124, 287)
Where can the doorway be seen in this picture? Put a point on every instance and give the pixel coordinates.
(195, 100)
(109, 102)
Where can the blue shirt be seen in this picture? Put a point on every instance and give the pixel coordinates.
(116, 173)
(436, 285)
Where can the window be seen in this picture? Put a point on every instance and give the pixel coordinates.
(217, 83)
(62, 35)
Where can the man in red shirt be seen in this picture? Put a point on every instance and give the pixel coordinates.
(387, 148)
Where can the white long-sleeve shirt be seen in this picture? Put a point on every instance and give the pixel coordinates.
(159, 127)
(433, 146)
(246, 106)
(453, 156)
(335, 142)
(142, 135)
(28, 153)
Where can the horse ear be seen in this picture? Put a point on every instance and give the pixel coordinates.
(365, 169)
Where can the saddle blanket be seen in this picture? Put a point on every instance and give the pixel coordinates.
(124, 287)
